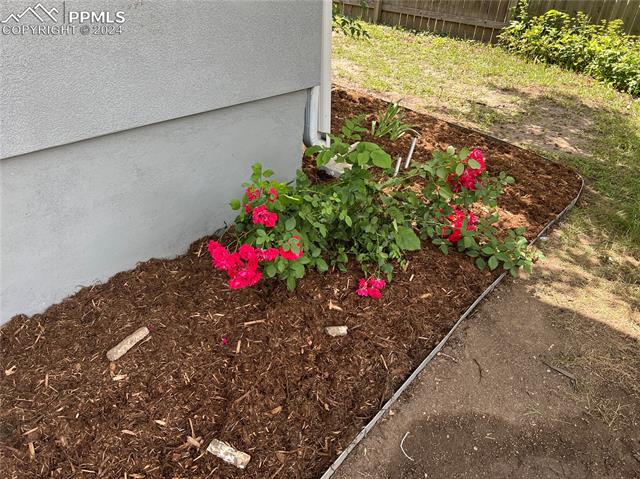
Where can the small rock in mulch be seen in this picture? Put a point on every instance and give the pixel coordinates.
(228, 453)
(336, 330)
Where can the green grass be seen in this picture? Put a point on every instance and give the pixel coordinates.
(485, 87)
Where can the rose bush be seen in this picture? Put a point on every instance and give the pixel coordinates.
(372, 218)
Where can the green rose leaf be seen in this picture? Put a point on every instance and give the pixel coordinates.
(321, 265)
(362, 158)
(381, 159)
(445, 192)
(406, 239)
(312, 150)
(298, 269)
(270, 270)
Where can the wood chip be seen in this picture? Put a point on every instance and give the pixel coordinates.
(195, 442)
(244, 396)
(10, 371)
(119, 377)
(336, 330)
(127, 343)
(249, 323)
(276, 410)
(127, 431)
(228, 453)
(160, 422)
(32, 451)
(334, 306)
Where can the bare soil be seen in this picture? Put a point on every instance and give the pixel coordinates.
(281, 389)
(492, 406)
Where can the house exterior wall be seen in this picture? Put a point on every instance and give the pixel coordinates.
(172, 59)
(116, 150)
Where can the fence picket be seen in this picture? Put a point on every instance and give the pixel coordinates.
(483, 19)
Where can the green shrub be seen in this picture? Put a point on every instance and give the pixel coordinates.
(349, 26)
(602, 50)
(371, 214)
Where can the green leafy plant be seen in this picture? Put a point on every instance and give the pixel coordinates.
(456, 182)
(368, 216)
(331, 222)
(391, 123)
(349, 26)
(352, 128)
(602, 50)
(363, 153)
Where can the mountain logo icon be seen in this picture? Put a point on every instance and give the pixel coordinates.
(39, 12)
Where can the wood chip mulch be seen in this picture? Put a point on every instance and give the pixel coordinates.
(280, 389)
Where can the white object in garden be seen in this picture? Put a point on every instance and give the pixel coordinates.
(336, 330)
(127, 343)
(397, 170)
(413, 147)
(228, 453)
(336, 169)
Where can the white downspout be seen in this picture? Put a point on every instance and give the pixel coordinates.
(317, 122)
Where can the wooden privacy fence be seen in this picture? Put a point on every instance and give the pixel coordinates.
(482, 19)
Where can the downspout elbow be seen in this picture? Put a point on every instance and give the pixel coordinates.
(311, 136)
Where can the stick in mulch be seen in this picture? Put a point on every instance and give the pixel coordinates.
(228, 453)
(127, 343)
(571, 377)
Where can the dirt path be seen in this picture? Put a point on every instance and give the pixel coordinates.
(490, 407)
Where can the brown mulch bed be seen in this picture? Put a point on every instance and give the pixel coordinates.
(281, 389)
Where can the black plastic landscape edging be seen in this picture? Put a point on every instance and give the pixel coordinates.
(362, 434)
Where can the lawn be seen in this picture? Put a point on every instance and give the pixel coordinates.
(561, 114)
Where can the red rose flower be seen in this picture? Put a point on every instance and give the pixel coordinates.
(290, 254)
(252, 193)
(262, 216)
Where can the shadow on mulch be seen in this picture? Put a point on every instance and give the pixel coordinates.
(281, 389)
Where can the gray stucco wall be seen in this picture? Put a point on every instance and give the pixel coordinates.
(77, 214)
(172, 59)
(116, 149)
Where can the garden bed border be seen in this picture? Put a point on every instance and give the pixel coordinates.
(363, 433)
